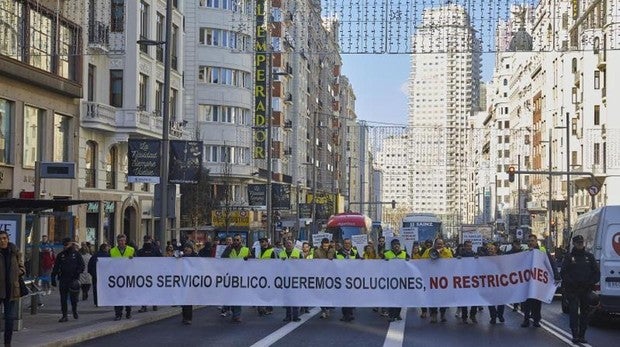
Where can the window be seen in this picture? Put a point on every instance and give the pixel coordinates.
(144, 25)
(597, 79)
(573, 157)
(66, 56)
(597, 115)
(159, 97)
(117, 19)
(597, 154)
(92, 73)
(32, 118)
(91, 164)
(116, 88)
(505, 81)
(11, 37)
(574, 65)
(573, 126)
(40, 48)
(143, 82)
(173, 103)
(110, 170)
(6, 139)
(174, 48)
(159, 36)
(596, 45)
(61, 138)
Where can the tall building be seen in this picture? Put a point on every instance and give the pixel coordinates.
(443, 94)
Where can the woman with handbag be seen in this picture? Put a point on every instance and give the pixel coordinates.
(85, 279)
(11, 269)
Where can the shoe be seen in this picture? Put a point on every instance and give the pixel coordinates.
(492, 321)
(536, 324)
(473, 320)
(75, 315)
(288, 319)
(575, 340)
(399, 318)
(128, 315)
(423, 315)
(443, 319)
(297, 319)
(63, 319)
(525, 324)
(465, 321)
(187, 322)
(375, 310)
(154, 308)
(385, 314)
(142, 309)
(344, 319)
(236, 320)
(323, 315)
(118, 317)
(433, 317)
(84, 297)
(223, 314)
(501, 319)
(582, 340)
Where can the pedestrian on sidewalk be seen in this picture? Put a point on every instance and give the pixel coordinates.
(104, 251)
(148, 250)
(122, 250)
(86, 280)
(48, 258)
(69, 264)
(11, 268)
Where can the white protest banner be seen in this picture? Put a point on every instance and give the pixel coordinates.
(359, 241)
(316, 238)
(356, 283)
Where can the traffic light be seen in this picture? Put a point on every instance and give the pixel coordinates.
(511, 174)
(393, 204)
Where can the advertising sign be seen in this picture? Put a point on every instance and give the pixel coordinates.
(185, 161)
(144, 161)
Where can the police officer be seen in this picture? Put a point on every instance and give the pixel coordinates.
(579, 273)
(69, 264)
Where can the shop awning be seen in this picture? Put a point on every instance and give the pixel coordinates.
(31, 205)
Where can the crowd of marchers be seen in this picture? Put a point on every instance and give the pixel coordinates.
(73, 271)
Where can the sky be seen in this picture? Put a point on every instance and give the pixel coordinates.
(380, 84)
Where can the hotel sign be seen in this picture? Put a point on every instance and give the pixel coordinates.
(260, 83)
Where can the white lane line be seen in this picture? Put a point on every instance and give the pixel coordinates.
(556, 331)
(396, 333)
(286, 329)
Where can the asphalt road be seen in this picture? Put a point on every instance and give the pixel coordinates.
(368, 329)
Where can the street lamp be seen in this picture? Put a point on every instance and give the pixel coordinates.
(165, 145)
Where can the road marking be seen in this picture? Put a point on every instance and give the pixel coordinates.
(556, 331)
(396, 333)
(286, 329)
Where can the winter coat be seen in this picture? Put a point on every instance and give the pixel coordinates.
(16, 270)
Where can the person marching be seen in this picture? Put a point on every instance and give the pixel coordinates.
(324, 251)
(441, 252)
(347, 252)
(69, 264)
(236, 251)
(467, 252)
(290, 252)
(580, 273)
(395, 253)
(149, 249)
(531, 307)
(496, 311)
(122, 250)
(187, 311)
(265, 252)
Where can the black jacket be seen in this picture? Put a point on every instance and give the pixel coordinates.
(92, 263)
(579, 271)
(69, 264)
(148, 250)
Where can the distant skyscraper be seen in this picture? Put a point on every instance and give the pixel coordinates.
(443, 95)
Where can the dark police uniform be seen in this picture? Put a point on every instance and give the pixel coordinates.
(579, 273)
(69, 264)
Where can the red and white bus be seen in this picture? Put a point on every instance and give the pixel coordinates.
(344, 225)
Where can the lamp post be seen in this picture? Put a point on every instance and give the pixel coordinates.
(165, 143)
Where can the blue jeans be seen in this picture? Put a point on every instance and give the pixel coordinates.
(10, 314)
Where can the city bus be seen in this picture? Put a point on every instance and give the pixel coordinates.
(426, 226)
(344, 225)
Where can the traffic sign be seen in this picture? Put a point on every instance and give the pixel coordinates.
(593, 190)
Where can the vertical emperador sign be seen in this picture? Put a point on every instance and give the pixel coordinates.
(260, 83)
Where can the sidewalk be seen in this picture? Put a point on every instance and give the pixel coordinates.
(43, 328)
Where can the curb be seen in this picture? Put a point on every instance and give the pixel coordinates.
(107, 328)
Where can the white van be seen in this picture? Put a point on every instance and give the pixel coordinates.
(600, 229)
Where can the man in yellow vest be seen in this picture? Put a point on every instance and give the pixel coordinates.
(122, 250)
(395, 252)
(236, 251)
(347, 252)
(442, 252)
(290, 252)
(265, 252)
